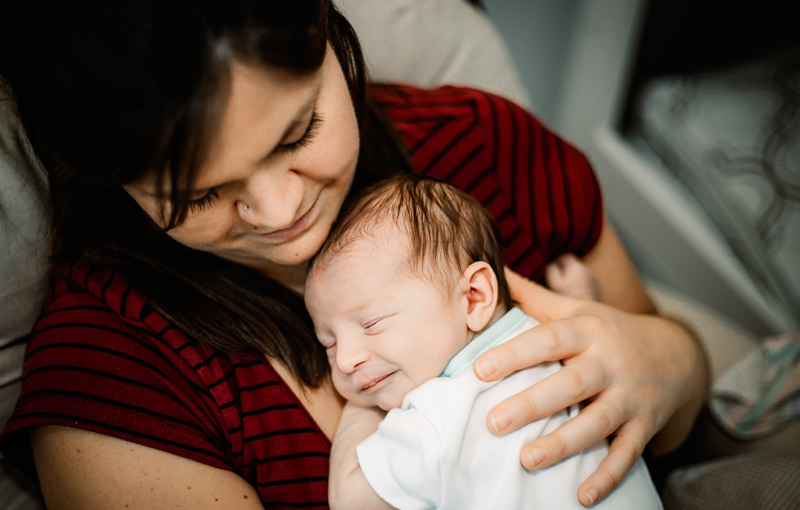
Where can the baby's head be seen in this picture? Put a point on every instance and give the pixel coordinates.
(410, 274)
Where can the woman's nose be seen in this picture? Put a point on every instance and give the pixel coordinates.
(350, 356)
(272, 199)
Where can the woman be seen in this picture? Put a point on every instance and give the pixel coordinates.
(198, 156)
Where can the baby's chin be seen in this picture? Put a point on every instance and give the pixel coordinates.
(388, 404)
(385, 403)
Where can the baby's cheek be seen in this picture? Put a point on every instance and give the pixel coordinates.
(340, 383)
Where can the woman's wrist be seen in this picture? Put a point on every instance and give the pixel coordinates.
(697, 383)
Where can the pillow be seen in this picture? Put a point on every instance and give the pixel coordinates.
(756, 481)
(733, 137)
(24, 273)
(433, 42)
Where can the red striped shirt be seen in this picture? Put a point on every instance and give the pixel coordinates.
(101, 359)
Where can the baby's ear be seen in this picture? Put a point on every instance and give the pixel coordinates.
(479, 285)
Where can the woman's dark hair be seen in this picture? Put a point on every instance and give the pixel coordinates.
(110, 90)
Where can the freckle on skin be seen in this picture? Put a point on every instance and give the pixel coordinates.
(132, 449)
(188, 487)
(245, 496)
(79, 450)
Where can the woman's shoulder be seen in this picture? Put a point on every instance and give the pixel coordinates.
(103, 360)
(91, 309)
(445, 128)
(425, 108)
(408, 95)
(540, 189)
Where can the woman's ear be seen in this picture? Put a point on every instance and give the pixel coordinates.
(479, 287)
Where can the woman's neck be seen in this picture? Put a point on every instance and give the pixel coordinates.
(293, 277)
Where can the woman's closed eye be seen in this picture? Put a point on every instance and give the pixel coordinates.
(201, 203)
(306, 138)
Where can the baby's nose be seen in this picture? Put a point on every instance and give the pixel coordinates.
(349, 358)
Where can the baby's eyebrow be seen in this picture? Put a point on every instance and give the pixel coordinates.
(358, 308)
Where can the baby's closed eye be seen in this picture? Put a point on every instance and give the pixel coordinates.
(371, 325)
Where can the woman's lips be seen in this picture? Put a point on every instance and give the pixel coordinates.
(290, 232)
(373, 383)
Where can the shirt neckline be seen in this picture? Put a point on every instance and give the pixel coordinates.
(496, 334)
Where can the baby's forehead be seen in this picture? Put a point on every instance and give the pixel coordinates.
(362, 251)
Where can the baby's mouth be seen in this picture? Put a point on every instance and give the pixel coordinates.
(375, 381)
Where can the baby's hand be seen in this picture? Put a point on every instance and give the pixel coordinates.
(569, 276)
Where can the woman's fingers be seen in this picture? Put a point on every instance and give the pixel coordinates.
(625, 450)
(568, 386)
(550, 341)
(574, 435)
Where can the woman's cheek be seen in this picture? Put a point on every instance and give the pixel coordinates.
(204, 228)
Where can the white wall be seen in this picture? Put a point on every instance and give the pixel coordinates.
(538, 34)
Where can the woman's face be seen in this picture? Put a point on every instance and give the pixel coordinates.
(277, 173)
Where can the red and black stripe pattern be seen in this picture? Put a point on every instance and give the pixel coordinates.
(541, 190)
(101, 359)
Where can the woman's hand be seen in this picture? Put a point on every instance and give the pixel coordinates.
(641, 373)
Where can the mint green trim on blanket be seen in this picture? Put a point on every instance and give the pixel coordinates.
(495, 335)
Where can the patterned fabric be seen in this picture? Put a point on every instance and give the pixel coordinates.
(733, 137)
(760, 392)
(101, 359)
(541, 190)
(757, 481)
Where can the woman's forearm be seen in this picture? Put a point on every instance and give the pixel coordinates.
(348, 488)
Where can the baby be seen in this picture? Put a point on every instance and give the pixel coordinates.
(407, 292)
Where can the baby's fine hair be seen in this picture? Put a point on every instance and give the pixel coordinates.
(446, 229)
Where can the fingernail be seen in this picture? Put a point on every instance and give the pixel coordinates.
(536, 456)
(486, 368)
(593, 494)
(501, 420)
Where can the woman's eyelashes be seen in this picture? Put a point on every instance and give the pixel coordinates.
(306, 138)
(204, 201)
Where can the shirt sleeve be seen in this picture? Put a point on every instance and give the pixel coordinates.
(87, 368)
(401, 460)
(541, 190)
